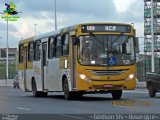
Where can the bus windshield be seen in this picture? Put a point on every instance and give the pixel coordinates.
(109, 50)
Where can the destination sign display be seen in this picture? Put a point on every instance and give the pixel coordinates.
(105, 28)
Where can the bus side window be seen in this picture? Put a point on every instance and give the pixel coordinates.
(58, 47)
(21, 48)
(65, 44)
(51, 46)
(31, 51)
(37, 50)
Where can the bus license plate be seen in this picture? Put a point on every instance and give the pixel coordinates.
(108, 86)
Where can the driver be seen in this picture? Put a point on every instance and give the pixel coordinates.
(86, 50)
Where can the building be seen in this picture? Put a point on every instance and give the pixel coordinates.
(147, 25)
(146, 58)
(12, 53)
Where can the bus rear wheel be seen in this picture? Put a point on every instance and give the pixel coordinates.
(67, 94)
(116, 94)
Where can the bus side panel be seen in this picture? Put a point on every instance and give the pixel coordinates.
(21, 79)
(53, 74)
(37, 74)
(29, 76)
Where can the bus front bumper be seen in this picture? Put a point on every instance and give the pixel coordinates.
(106, 85)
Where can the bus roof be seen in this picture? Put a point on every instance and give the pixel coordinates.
(27, 40)
(70, 28)
(116, 23)
(67, 29)
(48, 34)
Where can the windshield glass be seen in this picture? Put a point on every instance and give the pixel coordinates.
(110, 50)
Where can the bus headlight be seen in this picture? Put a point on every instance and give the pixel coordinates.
(82, 76)
(131, 76)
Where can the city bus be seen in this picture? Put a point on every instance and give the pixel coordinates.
(80, 59)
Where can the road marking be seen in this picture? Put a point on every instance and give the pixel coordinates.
(72, 116)
(23, 108)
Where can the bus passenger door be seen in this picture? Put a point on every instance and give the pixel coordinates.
(25, 67)
(44, 65)
(73, 62)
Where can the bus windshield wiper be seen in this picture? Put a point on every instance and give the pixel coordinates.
(117, 37)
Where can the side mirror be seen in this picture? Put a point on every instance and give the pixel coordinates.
(75, 40)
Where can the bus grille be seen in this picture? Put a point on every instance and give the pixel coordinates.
(107, 72)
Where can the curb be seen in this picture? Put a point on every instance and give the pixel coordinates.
(3, 82)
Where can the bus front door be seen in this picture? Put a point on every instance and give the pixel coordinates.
(44, 66)
(73, 63)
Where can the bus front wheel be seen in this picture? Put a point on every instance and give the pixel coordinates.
(34, 89)
(116, 94)
(152, 92)
(67, 94)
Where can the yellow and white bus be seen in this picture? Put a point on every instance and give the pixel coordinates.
(84, 58)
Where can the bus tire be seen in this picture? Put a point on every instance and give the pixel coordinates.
(152, 92)
(67, 94)
(116, 94)
(34, 89)
(44, 94)
(79, 94)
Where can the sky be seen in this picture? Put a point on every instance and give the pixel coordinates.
(69, 12)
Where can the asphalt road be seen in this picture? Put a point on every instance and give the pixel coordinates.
(16, 101)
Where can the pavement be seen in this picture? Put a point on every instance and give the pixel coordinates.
(15, 101)
(10, 83)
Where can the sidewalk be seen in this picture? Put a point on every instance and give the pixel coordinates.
(9, 82)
